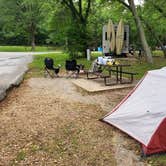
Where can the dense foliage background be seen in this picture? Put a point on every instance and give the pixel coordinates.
(55, 22)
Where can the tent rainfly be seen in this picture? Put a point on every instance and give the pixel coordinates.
(142, 113)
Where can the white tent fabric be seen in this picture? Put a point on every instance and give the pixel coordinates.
(142, 111)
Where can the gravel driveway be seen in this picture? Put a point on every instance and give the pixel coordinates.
(51, 122)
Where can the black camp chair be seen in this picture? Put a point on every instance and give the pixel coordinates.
(49, 66)
(72, 69)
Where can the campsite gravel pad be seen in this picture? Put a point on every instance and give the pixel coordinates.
(97, 85)
(50, 122)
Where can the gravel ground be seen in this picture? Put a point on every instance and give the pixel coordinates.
(51, 122)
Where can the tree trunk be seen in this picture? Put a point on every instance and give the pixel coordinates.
(33, 42)
(84, 24)
(144, 43)
(32, 34)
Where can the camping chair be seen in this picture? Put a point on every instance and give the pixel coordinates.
(95, 71)
(72, 69)
(49, 66)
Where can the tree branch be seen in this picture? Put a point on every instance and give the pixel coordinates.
(80, 7)
(125, 4)
(77, 13)
(70, 5)
(88, 9)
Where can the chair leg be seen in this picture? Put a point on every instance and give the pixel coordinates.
(72, 73)
(49, 73)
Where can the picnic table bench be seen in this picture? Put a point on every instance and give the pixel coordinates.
(118, 70)
(119, 76)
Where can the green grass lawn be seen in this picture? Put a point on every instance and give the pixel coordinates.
(25, 48)
(158, 53)
(37, 66)
(140, 67)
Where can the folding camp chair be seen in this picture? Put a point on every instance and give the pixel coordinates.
(49, 66)
(72, 69)
(95, 71)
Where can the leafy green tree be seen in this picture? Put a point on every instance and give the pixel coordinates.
(77, 35)
(58, 25)
(77, 24)
(9, 22)
(22, 18)
(160, 6)
(30, 16)
(155, 24)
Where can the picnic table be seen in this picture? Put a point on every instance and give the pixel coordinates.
(118, 69)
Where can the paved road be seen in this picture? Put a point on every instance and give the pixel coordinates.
(13, 66)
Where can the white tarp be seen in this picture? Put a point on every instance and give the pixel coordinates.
(142, 112)
(103, 60)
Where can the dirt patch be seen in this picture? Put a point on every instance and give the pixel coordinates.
(49, 122)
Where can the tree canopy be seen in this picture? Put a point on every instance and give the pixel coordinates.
(77, 24)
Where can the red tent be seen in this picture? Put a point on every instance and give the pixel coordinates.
(142, 113)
